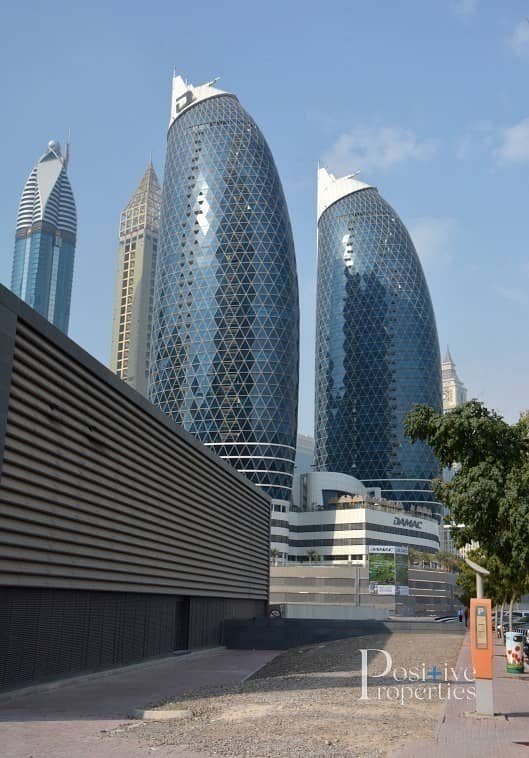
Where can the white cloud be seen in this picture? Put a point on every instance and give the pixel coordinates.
(466, 7)
(507, 144)
(514, 143)
(378, 148)
(433, 238)
(518, 40)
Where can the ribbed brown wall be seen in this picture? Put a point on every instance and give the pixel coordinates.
(101, 492)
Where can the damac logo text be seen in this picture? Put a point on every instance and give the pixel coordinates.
(399, 521)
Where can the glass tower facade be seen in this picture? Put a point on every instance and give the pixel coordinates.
(224, 353)
(45, 239)
(377, 350)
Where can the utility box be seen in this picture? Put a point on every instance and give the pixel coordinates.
(514, 652)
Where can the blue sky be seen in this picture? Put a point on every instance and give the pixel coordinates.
(429, 100)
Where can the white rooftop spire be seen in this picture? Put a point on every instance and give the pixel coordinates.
(332, 188)
(184, 95)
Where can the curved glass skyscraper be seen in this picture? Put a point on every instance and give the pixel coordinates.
(45, 239)
(224, 355)
(377, 350)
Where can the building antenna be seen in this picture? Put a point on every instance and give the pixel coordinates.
(67, 151)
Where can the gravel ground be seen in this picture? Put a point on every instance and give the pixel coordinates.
(306, 702)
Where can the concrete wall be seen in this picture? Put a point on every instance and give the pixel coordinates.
(432, 592)
(284, 633)
(335, 612)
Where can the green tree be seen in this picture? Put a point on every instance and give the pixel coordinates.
(466, 584)
(313, 555)
(488, 498)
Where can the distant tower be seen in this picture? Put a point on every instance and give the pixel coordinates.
(304, 454)
(45, 239)
(377, 351)
(224, 359)
(138, 249)
(454, 394)
(454, 391)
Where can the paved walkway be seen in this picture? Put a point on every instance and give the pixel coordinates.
(463, 735)
(70, 721)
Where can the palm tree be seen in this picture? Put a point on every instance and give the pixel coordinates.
(414, 556)
(448, 561)
(313, 555)
(274, 555)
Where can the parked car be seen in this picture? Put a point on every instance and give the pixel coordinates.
(516, 615)
(517, 622)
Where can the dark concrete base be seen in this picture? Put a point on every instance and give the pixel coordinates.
(282, 634)
(48, 634)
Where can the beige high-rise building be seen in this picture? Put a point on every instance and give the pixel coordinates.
(454, 391)
(138, 247)
(454, 394)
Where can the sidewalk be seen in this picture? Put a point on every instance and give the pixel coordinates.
(461, 735)
(71, 721)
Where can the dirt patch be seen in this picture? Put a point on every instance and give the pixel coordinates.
(307, 701)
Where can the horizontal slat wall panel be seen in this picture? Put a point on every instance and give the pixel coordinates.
(114, 437)
(8, 325)
(99, 491)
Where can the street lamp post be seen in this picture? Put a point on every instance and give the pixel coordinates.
(480, 572)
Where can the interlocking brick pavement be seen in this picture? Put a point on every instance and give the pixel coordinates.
(463, 735)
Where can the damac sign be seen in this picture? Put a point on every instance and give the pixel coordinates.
(399, 521)
(183, 101)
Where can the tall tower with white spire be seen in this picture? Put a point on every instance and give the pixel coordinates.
(138, 250)
(454, 391)
(377, 350)
(45, 239)
(224, 359)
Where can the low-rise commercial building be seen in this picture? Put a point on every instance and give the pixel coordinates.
(335, 518)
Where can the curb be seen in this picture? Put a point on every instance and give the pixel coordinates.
(152, 714)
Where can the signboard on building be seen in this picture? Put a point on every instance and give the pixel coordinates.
(388, 570)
